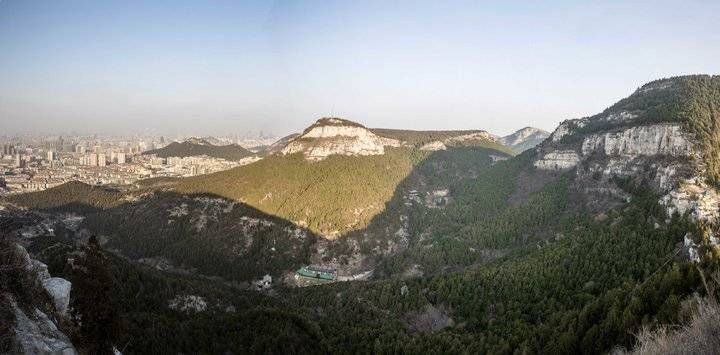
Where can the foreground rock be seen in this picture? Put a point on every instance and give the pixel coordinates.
(35, 332)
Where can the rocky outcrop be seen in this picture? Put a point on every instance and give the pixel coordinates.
(664, 156)
(695, 197)
(558, 160)
(37, 334)
(333, 136)
(59, 290)
(661, 139)
(624, 143)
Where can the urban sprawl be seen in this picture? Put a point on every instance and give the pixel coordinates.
(35, 164)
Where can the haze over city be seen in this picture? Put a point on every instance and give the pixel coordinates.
(219, 67)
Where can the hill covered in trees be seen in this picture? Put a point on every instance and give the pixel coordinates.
(198, 147)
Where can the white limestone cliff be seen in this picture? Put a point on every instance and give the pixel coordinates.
(558, 160)
(660, 139)
(338, 137)
(663, 155)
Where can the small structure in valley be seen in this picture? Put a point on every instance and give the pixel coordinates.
(317, 273)
(264, 284)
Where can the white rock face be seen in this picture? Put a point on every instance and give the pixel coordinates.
(701, 201)
(59, 290)
(323, 141)
(661, 139)
(558, 160)
(664, 155)
(37, 334)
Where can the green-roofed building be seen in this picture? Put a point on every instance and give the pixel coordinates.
(313, 272)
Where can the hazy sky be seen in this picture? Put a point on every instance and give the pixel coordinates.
(219, 67)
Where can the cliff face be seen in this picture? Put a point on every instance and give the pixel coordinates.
(336, 136)
(663, 153)
(333, 136)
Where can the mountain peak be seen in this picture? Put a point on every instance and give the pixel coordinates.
(524, 139)
(335, 121)
(337, 136)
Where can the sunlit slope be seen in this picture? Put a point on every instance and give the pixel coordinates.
(330, 197)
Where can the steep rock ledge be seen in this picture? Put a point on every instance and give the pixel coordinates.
(641, 139)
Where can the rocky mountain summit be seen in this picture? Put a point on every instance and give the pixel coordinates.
(662, 136)
(524, 139)
(335, 136)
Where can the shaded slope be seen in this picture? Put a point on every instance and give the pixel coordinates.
(333, 196)
(191, 232)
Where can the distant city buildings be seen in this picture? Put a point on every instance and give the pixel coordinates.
(9, 149)
(33, 164)
(19, 163)
(120, 158)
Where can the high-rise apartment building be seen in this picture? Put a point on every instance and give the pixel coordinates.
(92, 159)
(120, 158)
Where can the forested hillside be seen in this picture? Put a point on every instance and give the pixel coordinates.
(230, 152)
(266, 217)
(587, 290)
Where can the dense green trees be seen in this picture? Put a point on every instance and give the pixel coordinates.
(230, 152)
(94, 304)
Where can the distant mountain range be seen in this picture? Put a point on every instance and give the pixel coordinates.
(337, 136)
(524, 139)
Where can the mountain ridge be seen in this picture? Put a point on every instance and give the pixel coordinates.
(201, 146)
(524, 139)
